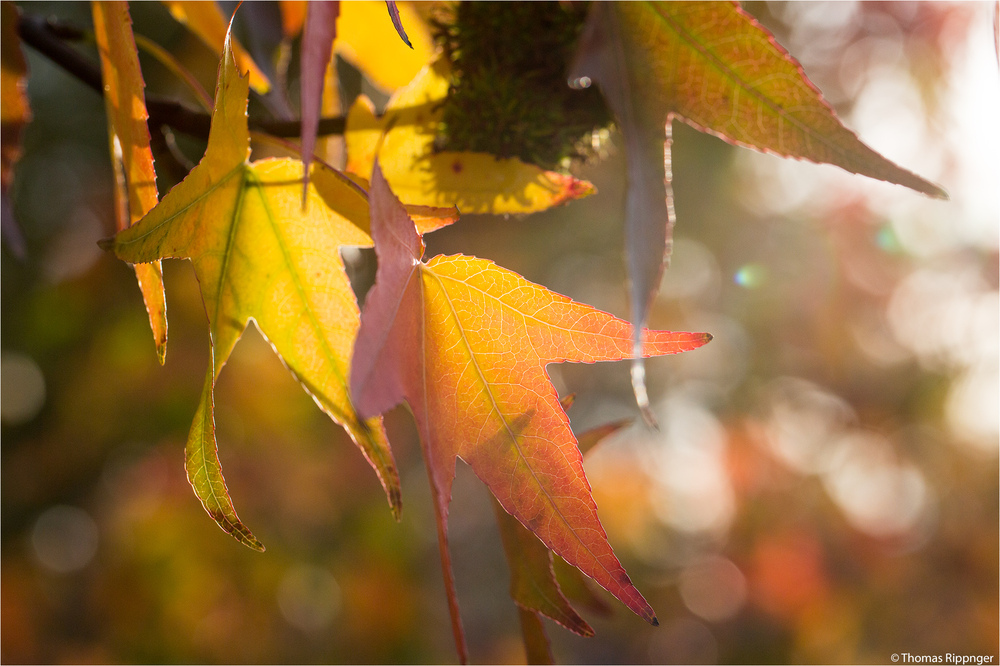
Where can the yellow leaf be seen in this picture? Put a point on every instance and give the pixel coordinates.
(135, 190)
(367, 39)
(258, 254)
(474, 182)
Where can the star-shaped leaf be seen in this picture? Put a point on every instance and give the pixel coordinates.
(711, 65)
(465, 343)
(259, 255)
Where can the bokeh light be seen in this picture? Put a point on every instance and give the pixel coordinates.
(64, 539)
(22, 388)
(822, 488)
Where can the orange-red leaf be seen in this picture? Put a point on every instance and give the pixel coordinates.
(465, 343)
(135, 188)
(533, 584)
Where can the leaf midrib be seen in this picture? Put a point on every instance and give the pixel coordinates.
(496, 408)
(166, 220)
(328, 353)
(715, 62)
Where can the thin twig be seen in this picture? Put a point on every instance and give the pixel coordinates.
(46, 37)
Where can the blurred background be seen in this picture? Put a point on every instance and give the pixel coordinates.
(823, 487)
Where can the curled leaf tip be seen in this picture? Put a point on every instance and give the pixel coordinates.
(106, 244)
(396, 503)
(654, 622)
(570, 188)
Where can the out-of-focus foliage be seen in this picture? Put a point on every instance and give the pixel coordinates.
(823, 488)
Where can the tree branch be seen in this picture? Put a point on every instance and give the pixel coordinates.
(46, 37)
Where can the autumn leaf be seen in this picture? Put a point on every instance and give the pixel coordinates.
(135, 186)
(207, 22)
(465, 343)
(535, 586)
(418, 174)
(15, 113)
(711, 65)
(257, 254)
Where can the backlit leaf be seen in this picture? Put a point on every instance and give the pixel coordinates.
(534, 585)
(714, 67)
(465, 343)
(474, 182)
(135, 188)
(532, 582)
(258, 255)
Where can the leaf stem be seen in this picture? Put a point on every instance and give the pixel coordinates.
(441, 519)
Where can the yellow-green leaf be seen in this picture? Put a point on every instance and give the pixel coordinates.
(474, 182)
(259, 255)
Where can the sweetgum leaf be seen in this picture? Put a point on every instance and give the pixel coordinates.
(419, 174)
(533, 584)
(135, 188)
(714, 67)
(465, 343)
(258, 255)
